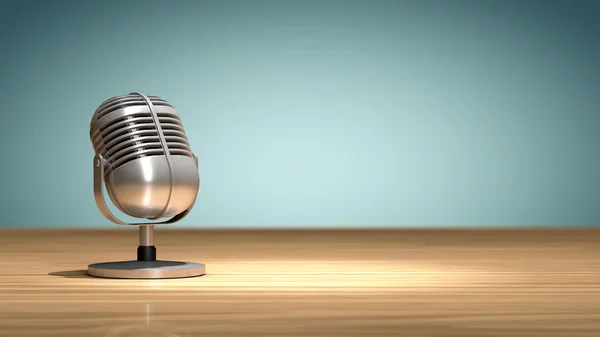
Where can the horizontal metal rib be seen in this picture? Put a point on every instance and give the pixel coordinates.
(125, 122)
(181, 152)
(132, 156)
(180, 149)
(122, 130)
(125, 98)
(171, 126)
(127, 137)
(128, 144)
(169, 120)
(175, 133)
(177, 139)
(124, 101)
(168, 113)
(109, 101)
(129, 129)
(135, 148)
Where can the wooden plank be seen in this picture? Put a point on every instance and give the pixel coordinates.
(515, 282)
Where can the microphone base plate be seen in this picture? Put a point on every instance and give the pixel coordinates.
(146, 269)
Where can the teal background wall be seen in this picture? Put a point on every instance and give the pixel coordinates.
(316, 113)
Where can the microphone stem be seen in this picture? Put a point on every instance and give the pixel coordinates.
(146, 251)
(147, 235)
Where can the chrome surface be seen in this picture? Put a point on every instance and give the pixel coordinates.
(143, 158)
(147, 235)
(146, 269)
(167, 154)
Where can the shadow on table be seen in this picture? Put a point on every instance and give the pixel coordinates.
(82, 273)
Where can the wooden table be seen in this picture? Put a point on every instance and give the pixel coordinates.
(417, 283)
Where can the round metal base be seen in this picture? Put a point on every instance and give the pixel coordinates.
(146, 269)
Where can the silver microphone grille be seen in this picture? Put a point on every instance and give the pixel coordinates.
(123, 129)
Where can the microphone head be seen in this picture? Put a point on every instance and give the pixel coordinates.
(150, 170)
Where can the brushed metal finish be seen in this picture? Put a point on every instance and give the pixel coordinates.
(146, 269)
(142, 188)
(146, 235)
(100, 202)
(167, 154)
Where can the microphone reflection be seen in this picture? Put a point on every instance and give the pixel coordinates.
(148, 328)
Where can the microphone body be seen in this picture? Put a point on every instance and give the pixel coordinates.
(150, 170)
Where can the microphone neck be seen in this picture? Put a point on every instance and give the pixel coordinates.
(146, 250)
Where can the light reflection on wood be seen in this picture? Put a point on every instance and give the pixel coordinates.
(307, 283)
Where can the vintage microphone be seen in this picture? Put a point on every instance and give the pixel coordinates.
(143, 156)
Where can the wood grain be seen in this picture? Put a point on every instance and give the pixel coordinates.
(418, 283)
